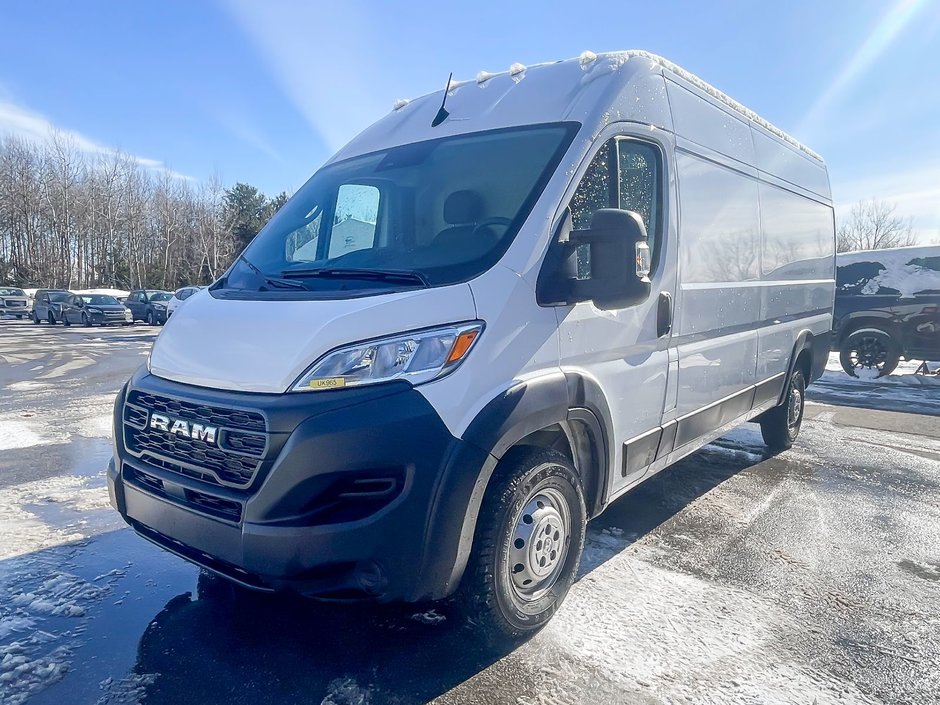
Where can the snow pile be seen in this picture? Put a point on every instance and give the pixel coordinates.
(658, 630)
(429, 617)
(23, 674)
(907, 279)
(899, 270)
(15, 433)
(345, 691)
(80, 506)
(60, 595)
(131, 689)
(37, 639)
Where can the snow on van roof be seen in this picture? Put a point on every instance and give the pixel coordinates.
(615, 60)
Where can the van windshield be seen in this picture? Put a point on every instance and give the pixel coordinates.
(424, 214)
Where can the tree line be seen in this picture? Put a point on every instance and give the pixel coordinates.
(77, 220)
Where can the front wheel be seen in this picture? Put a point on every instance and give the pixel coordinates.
(780, 426)
(869, 353)
(528, 544)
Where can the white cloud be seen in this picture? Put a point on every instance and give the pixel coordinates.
(17, 120)
(321, 56)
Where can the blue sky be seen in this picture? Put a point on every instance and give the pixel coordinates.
(264, 92)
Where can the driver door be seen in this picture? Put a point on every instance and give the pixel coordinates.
(627, 350)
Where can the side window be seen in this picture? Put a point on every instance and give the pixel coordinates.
(640, 185)
(301, 245)
(354, 219)
(623, 174)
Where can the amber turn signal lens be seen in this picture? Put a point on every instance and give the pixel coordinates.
(462, 345)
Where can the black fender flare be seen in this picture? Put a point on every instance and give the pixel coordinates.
(573, 402)
(817, 346)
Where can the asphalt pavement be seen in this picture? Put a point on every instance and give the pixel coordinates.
(734, 577)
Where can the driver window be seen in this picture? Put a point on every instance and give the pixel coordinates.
(623, 174)
(354, 219)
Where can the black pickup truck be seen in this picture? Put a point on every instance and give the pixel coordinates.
(887, 307)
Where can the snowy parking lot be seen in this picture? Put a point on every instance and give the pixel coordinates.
(808, 577)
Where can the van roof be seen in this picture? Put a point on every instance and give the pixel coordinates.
(592, 89)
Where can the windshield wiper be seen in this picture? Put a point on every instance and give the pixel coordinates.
(401, 276)
(272, 281)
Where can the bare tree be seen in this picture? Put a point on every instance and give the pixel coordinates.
(873, 225)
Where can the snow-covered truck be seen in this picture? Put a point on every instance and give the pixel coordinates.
(887, 307)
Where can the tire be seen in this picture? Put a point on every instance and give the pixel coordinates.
(780, 426)
(515, 581)
(51, 319)
(871, 351)
(36, 320)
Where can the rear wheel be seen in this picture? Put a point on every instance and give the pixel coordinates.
(528, 544)
(869, 353)
(780, 426)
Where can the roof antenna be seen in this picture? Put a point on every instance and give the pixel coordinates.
(442, 113)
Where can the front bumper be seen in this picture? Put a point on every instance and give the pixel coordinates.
(360, 493)
(105, 319)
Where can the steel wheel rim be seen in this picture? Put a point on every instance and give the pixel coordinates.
(869, 352)
(795, 409)
(538, 545)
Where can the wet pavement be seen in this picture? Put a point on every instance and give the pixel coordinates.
(733, 577)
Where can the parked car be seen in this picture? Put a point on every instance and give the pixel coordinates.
(47, 305)
(119, 294)
(91, 309)
(887, 308)
(543, 313)
(13, 302)
(179, 296)
(148, 305)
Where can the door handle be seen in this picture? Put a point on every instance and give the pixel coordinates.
(664, 314)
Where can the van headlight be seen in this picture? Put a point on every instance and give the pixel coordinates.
(416, 357)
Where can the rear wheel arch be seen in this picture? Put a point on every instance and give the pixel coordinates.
(854, 323)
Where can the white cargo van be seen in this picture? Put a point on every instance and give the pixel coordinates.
(475, 327)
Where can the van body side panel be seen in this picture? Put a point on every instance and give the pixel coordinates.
(718, 310)
(797, 273)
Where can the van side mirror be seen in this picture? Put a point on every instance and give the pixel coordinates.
(620, 263)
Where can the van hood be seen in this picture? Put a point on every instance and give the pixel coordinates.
(264, 346)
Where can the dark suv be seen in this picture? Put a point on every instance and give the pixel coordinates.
(48, 303)
(149, 305)
(887, 307)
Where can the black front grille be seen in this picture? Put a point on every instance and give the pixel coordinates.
(241, 440)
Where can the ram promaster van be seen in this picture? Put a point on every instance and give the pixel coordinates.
(487, 317)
